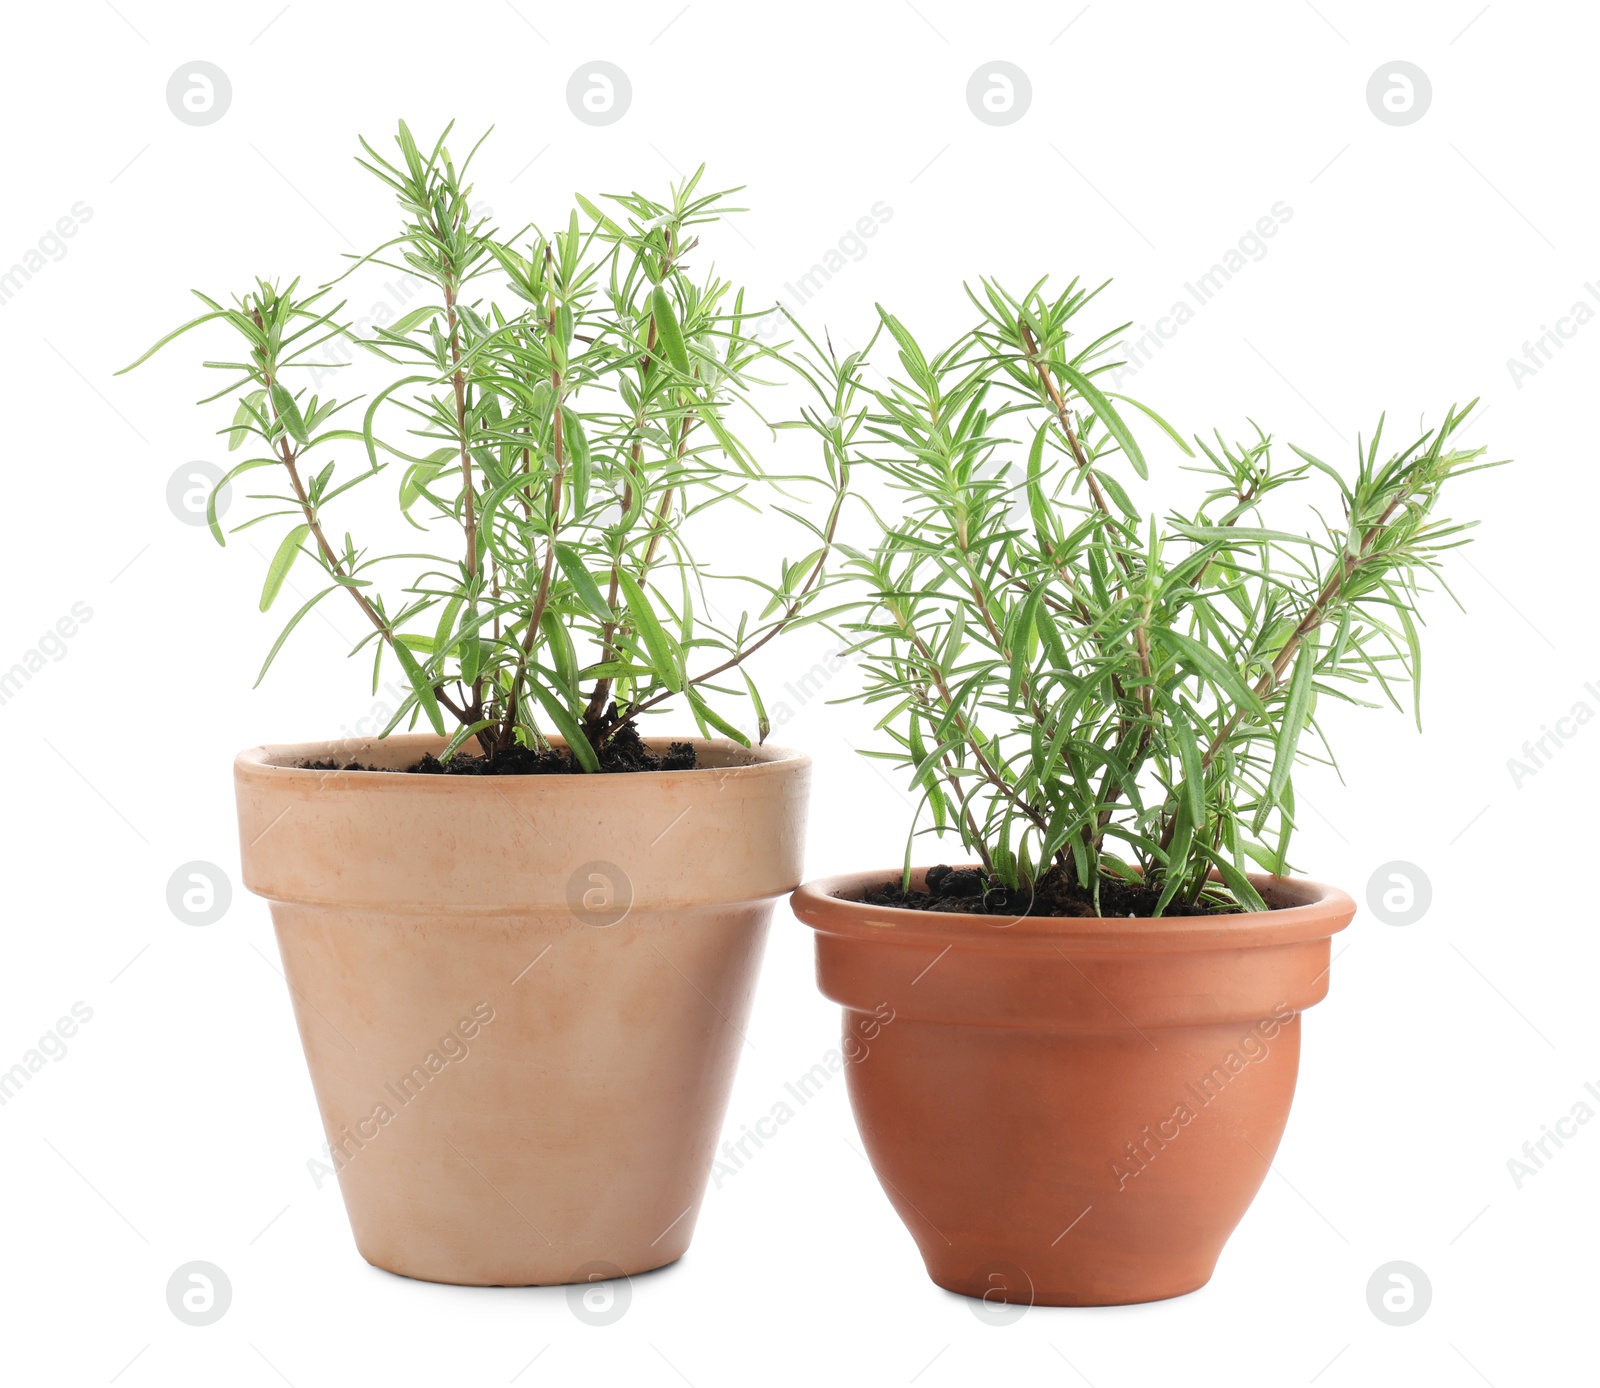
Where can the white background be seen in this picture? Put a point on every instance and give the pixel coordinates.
(1418, 259)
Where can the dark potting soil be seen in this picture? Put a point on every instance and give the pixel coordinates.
(966, 891)
(624, 751)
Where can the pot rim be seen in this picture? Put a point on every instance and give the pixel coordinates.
(268, 762)
(1311, 911)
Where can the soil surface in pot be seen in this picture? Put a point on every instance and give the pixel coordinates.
(623, 751)
(966, 891)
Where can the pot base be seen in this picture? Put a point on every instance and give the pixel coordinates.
(1151, 1280)
(636, 1268)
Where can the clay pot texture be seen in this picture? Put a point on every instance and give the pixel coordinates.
(522, 998)
(1072, 1112)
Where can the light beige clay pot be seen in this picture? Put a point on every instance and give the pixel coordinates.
(517, 1086)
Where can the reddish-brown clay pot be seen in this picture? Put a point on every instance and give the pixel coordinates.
(1072, 1112)
(522, 998)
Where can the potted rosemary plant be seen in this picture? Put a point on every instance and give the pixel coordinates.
(522, 940)
(1098, 1012)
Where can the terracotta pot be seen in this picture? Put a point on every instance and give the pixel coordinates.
(1072, 1112)
(522, 999)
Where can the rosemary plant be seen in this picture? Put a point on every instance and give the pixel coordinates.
(1084, 694)
(562, 405)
